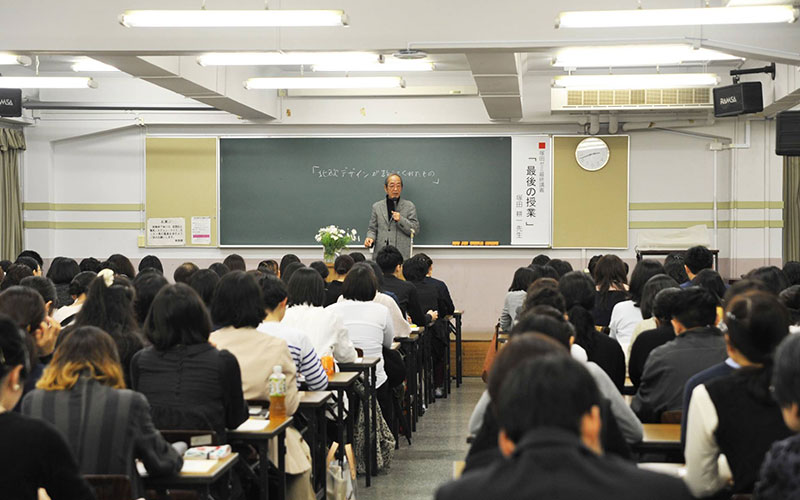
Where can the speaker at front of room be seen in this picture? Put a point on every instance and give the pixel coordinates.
(787, 133)
(11, 102)
(738, 99)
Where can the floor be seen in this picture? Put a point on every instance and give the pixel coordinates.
(419, 469)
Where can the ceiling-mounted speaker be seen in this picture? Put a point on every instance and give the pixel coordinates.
(738, 99)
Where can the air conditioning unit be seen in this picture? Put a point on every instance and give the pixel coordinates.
(673, 99)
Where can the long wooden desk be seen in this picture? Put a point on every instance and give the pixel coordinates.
(260, 441)
(186, 480)
(660, 441)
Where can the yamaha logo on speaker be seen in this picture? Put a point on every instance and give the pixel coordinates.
(11, 102)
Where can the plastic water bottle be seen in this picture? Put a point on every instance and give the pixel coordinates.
(277, 394)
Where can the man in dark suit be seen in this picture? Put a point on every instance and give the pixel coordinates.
(393, 220)
(390, 261)
(444, 292)
(549, 417)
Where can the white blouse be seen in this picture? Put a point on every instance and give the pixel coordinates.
(324, 329)
(624, 319)
(707, 470)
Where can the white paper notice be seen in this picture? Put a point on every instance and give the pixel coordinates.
(253, 425)
(201, 230)
(531, 175)
(166, 232)
(197, 466)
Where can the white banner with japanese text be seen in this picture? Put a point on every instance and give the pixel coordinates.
(531, 177)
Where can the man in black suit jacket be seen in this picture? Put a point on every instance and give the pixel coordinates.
(391, 260)
(550, 434)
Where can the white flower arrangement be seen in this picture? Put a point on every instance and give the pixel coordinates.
(335, 239)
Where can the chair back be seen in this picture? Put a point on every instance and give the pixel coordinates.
(110, 486)
(671, 417)
(191, 437)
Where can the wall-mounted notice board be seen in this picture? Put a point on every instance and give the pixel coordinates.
(182, 182)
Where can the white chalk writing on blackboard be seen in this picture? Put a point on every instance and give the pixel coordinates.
(352, 173)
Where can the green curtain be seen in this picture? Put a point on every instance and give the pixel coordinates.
(12, 142)
(791, 208)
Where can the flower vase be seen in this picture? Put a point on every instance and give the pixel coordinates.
(329, 258)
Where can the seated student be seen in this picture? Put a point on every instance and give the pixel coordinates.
(61, 272)
(791, 269)
(579, 294)
(674, 267)
(219, 268)
(390, 260)
(289, 270)
(322, 269)
(287, 259)
(189, 383)
(357, 257)
(5, 264)
(235, 262)
(771, 276)
(523, 278)
(540, 260)
(30, 263)
(663, 309)
(184, 272)
(651, 288)
(203, 282)
(238, 308)
(790, 298)
(147, 285)
(562, 267)
(698, 344)
(109, 306)
(323, 328)
(736, 415)
(341, 266)
(33, 254)
(550, 321)
(26, 308)
(431, 299)
(441, 285)
(78, 288)
(84, 386)
(544, 292)
(728, 366)
(122, 265)
(90, 264)
(611, 279)
(627, 314)
(268, 266)
(368, 325)
(15, 274)
(36, 455)
(778, 478)
(592, 265)
(399, 323)
(45, 288)
(695, 260)
(548, 412)
(306, 359)
(151, 262)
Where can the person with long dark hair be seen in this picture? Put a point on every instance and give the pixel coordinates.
(523, 277)
(627, 314)
(611, 277)
(61, 272)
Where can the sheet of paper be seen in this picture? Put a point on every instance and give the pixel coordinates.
(197, 466)
(253, 425)
(201, 230)
(169, 231)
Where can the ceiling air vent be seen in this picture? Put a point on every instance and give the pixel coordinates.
(670, 99)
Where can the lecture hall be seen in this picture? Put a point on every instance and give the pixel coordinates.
(348, 249)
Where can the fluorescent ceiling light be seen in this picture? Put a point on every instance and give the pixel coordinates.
(46, 82)
(286, 58)
(388, 65)
(656, 81)
(90, 65)
(739, 3)
(677, 17)
(11, 59)
(231, 18)
(636, 55)
(372, 82)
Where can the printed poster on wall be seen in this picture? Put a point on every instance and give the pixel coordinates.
(531, 177)
(201, 230)
(163, 232)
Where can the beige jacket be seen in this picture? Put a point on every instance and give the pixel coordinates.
(257, 353)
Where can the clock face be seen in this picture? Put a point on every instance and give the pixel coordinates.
(592, 154)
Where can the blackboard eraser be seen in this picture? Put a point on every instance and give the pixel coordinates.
(465, 243)
(476, 243)
(456, 243)
(491, 243)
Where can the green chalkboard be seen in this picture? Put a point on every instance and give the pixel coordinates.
(280, 191)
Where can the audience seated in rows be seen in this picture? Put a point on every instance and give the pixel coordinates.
(341, 266)
(651, 288)
(390, 261)
(61, 272)
(611, 280)
(627, 314)
(695, 260)
(78, 289)
(36, 453)
(82, 393)
(698, 344)
(663, 309)
(736, 415)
